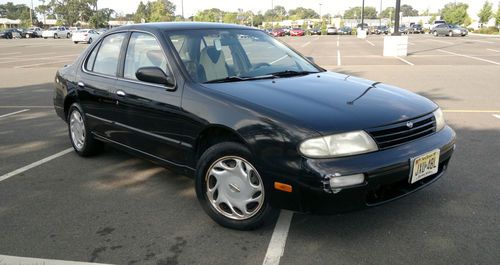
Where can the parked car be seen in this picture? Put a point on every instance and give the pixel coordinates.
(101, 30)
(315, 31)
(33, 32)
(297, 32)
(258, 133)
(84, 35)
(436, 23)
(287, 30)
(56, 33)
(10, 34)
(345, 30)
(363, 26)
(415, 29)
(331, 31)
(381, 30)
(449, 30)
(73, 29)
(403, 29)
(278, 33)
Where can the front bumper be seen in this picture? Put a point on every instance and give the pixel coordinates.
(386, 177)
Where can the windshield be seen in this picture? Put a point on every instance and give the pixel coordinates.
(217, 54)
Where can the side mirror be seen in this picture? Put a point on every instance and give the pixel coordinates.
(154, 75)
(310, 58)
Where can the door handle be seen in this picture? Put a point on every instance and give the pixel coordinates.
(121, 93)
(81, 84)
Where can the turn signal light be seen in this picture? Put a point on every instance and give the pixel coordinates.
(282, 187)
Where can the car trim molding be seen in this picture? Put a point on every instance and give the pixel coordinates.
(167, 139)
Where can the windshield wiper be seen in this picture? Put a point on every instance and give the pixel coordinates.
(291, 73)
(235, 78)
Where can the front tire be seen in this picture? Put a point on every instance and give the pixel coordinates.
(450, 34)
(90, 41)
(435, 33)
(55, 36)
(79, 133)
(230, 189)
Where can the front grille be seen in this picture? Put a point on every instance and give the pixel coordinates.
(399, 133)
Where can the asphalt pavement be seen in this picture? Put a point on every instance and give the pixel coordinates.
(118, 209)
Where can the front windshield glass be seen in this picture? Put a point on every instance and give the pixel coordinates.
(216, 54)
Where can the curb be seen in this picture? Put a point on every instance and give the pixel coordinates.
(484, 35)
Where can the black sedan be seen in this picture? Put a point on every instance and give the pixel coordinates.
(9, 34)
(259, 126)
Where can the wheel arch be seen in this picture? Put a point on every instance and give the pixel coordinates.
(214, 134)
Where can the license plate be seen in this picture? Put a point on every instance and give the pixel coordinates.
(424, 165)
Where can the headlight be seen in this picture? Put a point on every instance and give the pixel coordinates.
(438, 115)
(342, 144)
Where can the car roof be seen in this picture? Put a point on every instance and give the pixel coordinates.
(180, 26)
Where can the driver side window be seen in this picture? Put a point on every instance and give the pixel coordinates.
(143, 51)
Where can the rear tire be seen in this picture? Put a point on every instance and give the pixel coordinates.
(55, 36)
(79, 134)
(76, 42)
(435, 33)
(90, 41)
(450, 34)
(238, 213)
(68, 35)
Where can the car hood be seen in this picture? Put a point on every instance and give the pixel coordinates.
(329, 102)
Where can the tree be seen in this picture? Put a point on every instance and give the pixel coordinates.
(486, 12)
(497, 15)
(355, 12)
(302, 13)
(387, 13)
(101, 17)
(19, 11)
(142, 13)
(277, 13)
(162, 10)
(209, 15)
(455, 13)
(409, 11)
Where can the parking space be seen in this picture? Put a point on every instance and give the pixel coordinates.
(119, 209)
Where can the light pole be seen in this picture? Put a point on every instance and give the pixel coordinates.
(396, 19)
(380, 15)
(31, 11)
(362, 15)
(320, 4)
(182, 9)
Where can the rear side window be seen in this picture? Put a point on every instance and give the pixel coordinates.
(106, 60)
(143, 51)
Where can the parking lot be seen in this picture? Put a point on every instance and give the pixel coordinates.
(118, 209)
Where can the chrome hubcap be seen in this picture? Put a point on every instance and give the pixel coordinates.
(234, 188)
(77, 129)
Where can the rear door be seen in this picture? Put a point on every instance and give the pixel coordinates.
(96, 86)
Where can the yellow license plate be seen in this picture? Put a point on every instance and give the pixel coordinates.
(424, 165)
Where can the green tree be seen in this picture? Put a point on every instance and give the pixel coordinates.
(230, 17)
(302, 13)
(101, 17)
(455, 13)
(355, 12)
(209, 15)
(409, 11)
(497, 15)
(16, 11)
(162, 10)
(486, 12)
(275, 14)
(387, 13)
(142, 13)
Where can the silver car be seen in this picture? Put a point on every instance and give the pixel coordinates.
(449, 30)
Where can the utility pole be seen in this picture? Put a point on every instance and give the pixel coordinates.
(362, 15)
(396, 19)
(31, 11)
(320, 4)
(182, 8)
(380, 14)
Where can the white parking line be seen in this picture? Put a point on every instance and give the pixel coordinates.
(35, 164)
(38, 64)
(276, 246)
(15, 60)
(10, 53)
(371, 43)
(470, 57)
(339, 63)
(493, 50)
(13, 113)
(338, 40)
(404, 61)
(24, 107)
(496, 116)
(305, 44)
(11, 260)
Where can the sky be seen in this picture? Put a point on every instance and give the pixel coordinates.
(327, 6)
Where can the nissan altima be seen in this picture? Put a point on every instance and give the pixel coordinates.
(259, 126)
